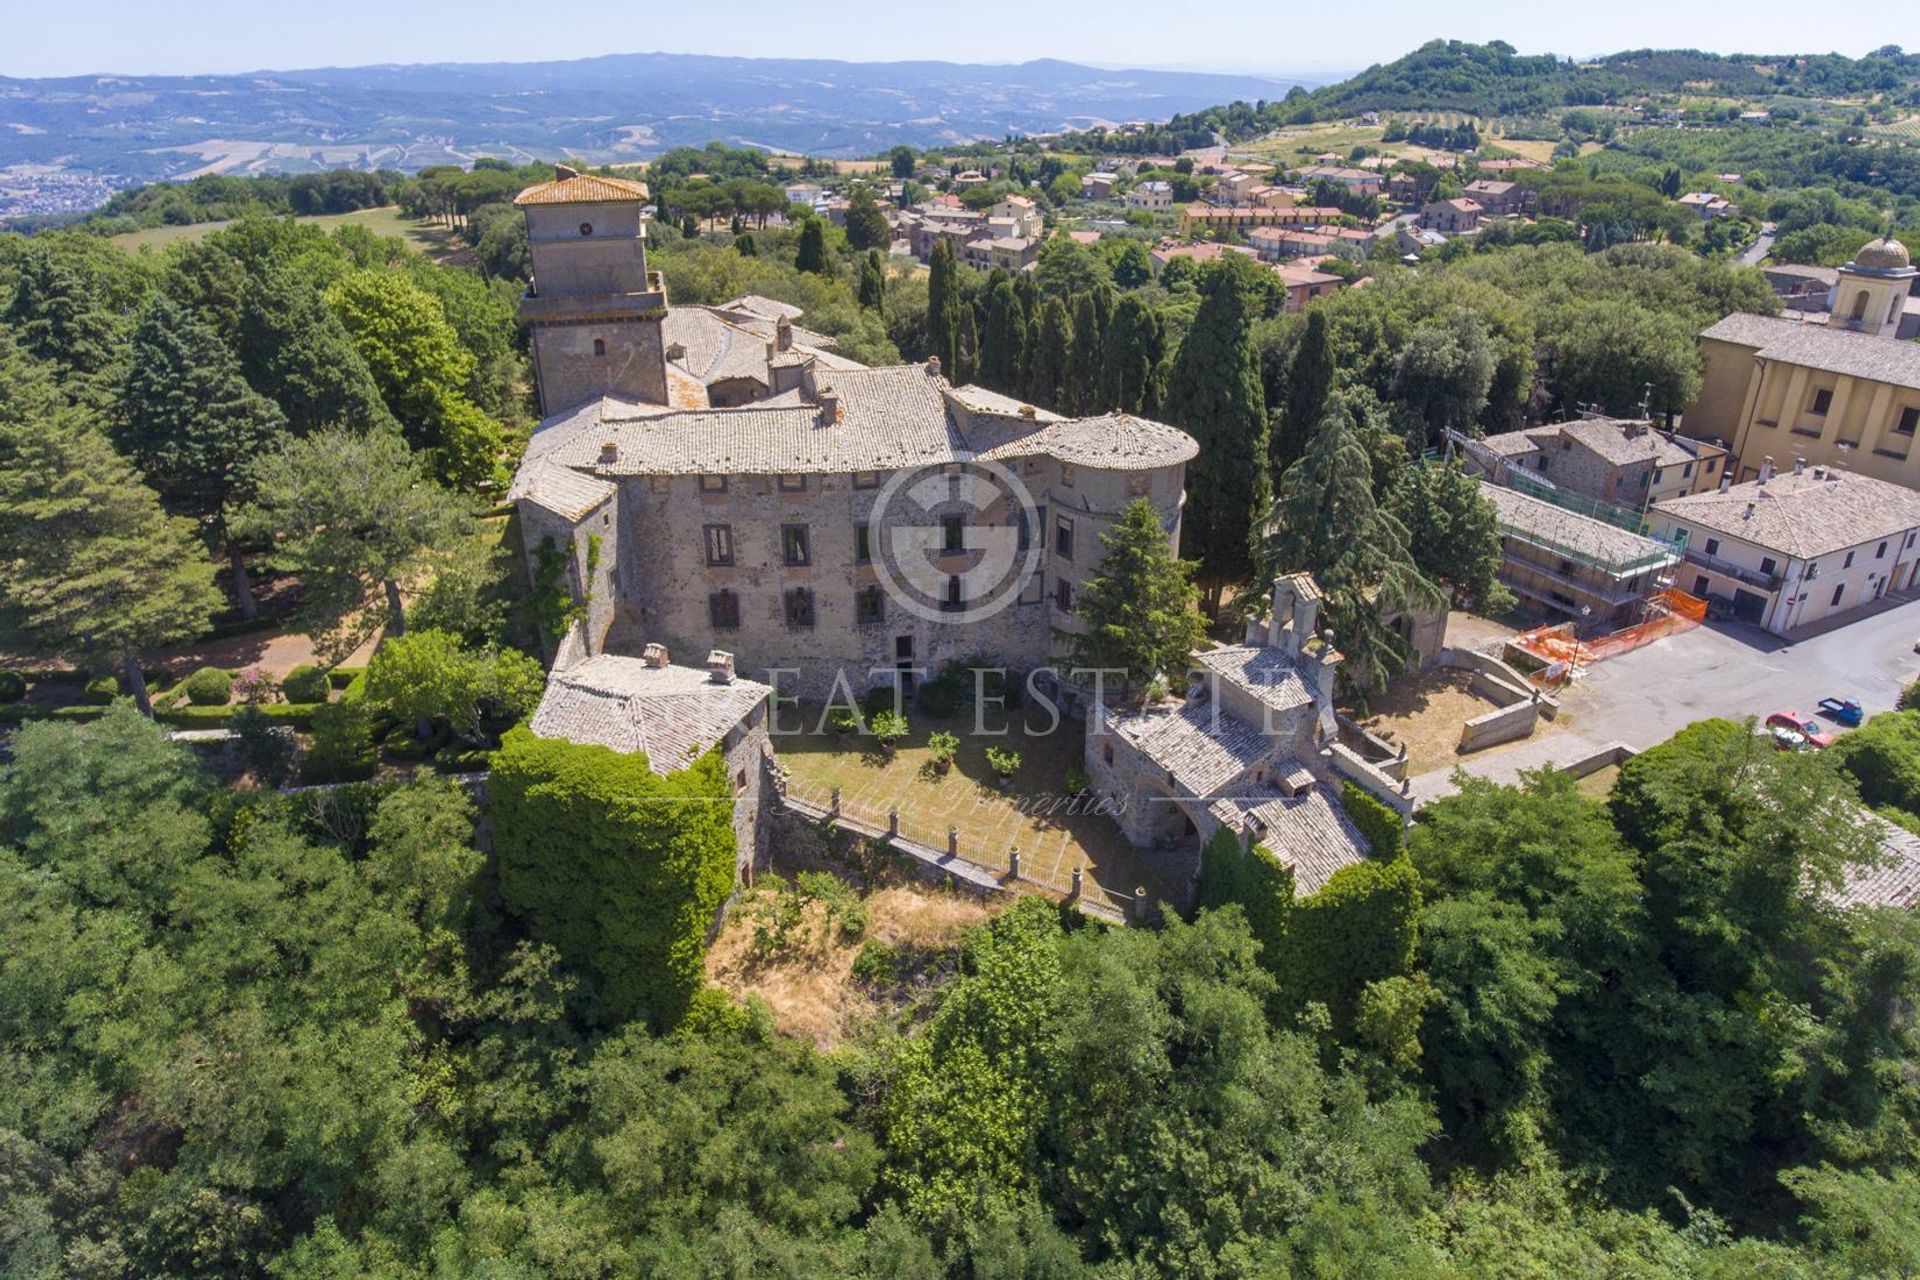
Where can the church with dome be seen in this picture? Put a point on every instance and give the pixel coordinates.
(1844, 393)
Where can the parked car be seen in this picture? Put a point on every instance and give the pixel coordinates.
(1804, 725)
(1785, 739)
(1842, 710)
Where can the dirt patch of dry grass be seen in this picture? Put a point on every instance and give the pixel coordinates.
(1424, 714)
(810, 986)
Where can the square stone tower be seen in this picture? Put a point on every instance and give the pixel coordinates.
(594, 308)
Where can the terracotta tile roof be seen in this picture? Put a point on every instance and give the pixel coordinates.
(1803, 515)
(672, 714)
(583, 188)
(1857, 355)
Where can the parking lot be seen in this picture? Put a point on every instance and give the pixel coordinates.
(1725, 669)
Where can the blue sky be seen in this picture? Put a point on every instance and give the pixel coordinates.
(38, 38)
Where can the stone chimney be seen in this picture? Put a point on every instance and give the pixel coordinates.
(655, 655)
(829, 406)
(933, 366)
(1799, 465)
(609, 452)
(1726, 480)
(1296, 607)
(1028, 412)
(561, 172)
(783, 334)
(1766, 470)
(720, 666)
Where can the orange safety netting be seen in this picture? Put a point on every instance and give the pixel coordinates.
(1668, 613)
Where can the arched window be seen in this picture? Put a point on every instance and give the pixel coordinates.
(599, 346)
(1893, 309)
(1860, 305)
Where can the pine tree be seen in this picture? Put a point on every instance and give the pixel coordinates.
(297, 353)
(1453, 533)
(1214, 393)
(1003, 338)
(191, 423)
(1092, 315)
(1325, 522)
(944, 305)
(1049, 347)
(1309, 381)
(873, 281)
(689, 227)
(55, 318)
(1140, 607)
(1136, 347)
(91, 568)
(812, 253)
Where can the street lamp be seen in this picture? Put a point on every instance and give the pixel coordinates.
(1573, 672)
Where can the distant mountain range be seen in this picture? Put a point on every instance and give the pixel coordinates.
(119, 129)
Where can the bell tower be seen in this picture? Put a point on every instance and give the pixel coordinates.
(1873, 289)
(594, 308)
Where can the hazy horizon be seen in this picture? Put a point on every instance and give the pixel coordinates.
(227, 37)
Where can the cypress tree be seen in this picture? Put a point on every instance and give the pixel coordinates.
(873, 281)
(944, 305)
(1309, 380)
(812, 253)
(1049, 346)
(1003, 340)
(689, 227)
(966, 346)
(1136, 346)
(1092, 315)
(191, 423)
(866, 226)
(1214, 393)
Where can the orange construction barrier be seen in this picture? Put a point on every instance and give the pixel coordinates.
(1669, 613)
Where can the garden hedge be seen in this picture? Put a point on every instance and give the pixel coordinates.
(1258, 881)
(306, 683)
(209, 687)
(1382, 827)
(621, 870)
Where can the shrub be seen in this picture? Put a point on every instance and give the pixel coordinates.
(342, 749)
(1382, 827)
(209, 687)
(876, 963)
(939, 698)
(842, 721)
(1361, 927)
(102, 690)
(252, 687)
(306, 683)
(1004, 761)
(1078, 781)
(264, 747)
(13, 686)
(944, 746)
(888, 726)
(621, 869)
(1259, 883)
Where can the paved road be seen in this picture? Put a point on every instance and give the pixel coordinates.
(1720, 669)
(1754, 253)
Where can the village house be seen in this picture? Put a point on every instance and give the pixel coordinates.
(1020, 213)
(1623, 463)
(1568, 565)
(1002, 253)
(1498, 199)
(1244, 218)
(968, 178)
(1708, 205)
(1152, 194)
(1195, 251)
(1792, 549)
(1363, 182)
(1458, 216)
(1844, 394)
(1303, 283)
(1276, 243)
(1098, 186)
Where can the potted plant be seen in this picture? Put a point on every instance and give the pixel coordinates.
(944, 747)
(842, 722)
(888, 727)
(1004, 761)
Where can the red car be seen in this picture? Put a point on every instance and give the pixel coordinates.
(1806, 726)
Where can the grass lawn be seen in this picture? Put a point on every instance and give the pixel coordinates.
(1598, 785)
(389, 221)
(1030, 815)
